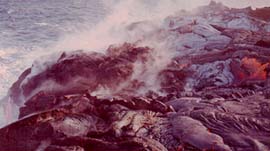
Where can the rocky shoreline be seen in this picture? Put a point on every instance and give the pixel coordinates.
(213, 93)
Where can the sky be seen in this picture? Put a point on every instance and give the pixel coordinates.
(189, 4)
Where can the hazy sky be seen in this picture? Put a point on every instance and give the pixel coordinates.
(231, 3)
(194, 3)
(245, 3)
(172, 5)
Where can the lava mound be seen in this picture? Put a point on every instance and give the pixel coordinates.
(212, 94)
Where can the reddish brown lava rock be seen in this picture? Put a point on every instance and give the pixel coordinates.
(213, 95)
(261, 13)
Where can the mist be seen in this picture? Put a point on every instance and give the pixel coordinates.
(113, 29)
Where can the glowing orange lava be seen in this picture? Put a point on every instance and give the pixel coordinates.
(252, 69)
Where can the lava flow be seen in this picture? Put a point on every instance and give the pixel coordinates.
(199, 81)
(250, 69)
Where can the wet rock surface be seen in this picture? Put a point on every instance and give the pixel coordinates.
(213, 94)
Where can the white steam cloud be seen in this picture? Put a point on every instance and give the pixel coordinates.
(123, 12)
(112, 30)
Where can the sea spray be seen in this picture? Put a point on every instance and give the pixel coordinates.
(113, 29)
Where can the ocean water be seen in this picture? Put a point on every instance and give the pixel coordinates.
(30, 27)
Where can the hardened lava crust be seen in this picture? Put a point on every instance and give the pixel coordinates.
(211, 94)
